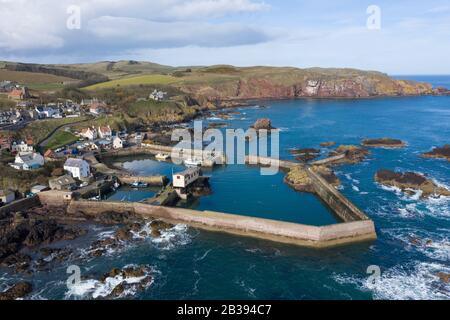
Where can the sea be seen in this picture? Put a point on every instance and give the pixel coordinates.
(188, 263)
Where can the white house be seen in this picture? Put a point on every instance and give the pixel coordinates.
(7, 196)
(22, 146)
(105, 132)
(89, 133)
(78, 168)
(117, 143)
(157, 95)
(28, 161)
(185, 178)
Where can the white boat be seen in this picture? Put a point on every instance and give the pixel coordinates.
(139, 184)
(193, 163)
(162, 156)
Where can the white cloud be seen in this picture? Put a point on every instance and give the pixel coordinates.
(39, 26)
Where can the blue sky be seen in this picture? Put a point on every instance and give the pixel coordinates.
(413, 39)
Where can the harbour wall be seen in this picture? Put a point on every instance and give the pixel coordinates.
(284, 232)
(19, 205)
(340, 205)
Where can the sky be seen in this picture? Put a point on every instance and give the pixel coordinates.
(397, 37)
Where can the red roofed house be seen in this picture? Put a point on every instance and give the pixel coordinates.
(105, 132)
(19, 94)
(89, 133)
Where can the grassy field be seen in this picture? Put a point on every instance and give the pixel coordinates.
(60, 139)
(39, 130)
(31, 77)
(5, 103)
(133, 81)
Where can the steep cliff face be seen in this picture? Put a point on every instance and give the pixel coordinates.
(260, 83)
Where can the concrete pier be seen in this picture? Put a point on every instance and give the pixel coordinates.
(284, 232)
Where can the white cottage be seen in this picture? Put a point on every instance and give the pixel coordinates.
(117, 143)
(78, 168)
(28, 161)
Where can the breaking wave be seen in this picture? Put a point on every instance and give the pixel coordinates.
(418, 281)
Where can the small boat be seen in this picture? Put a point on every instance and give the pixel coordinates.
(192, 163)
(162, 157)
(139, 184)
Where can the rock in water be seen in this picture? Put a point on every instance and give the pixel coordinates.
(19, 290)
(439, 153)
(384, 143)
(263, 124)
(352, 154)
(327, 144)
(411, 181)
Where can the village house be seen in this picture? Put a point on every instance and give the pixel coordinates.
(44, 112)
(10, 117)
(65, 182)
(105, 132)
(7, 86)
(89, 133)
(78, 168)
(157, 95)
(117, 143)
(22, 146)
(95, 106)
(5, 143)
(19, 93)
(28, 161)
(7, 196)
(38, 189)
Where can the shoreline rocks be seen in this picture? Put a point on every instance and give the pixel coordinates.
(439, 153)
(384, 143)
(409, 182)
(18, 291)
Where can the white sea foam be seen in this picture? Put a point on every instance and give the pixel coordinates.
(417, 281)
(171, 238)
(435, 245)
(95, 289)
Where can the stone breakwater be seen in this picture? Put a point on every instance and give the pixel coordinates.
(278, 231)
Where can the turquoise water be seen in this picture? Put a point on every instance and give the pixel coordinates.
(193, 264)
(240, 189)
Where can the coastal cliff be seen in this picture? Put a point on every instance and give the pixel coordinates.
(229, 83)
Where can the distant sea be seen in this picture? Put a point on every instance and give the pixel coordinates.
(194, 264)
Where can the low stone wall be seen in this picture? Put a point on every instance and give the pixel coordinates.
(346, 210)
(19, 205)
(155, 181)
(278, 231)
(54, 198)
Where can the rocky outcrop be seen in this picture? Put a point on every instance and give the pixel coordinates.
(18, 291)
(327, 144)
(439, 153)
(410, 183)
(263, 124)
(350, 154)
(305, 155)
(383, 143)
(29, 233)
(298, 179)
(328, 175)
